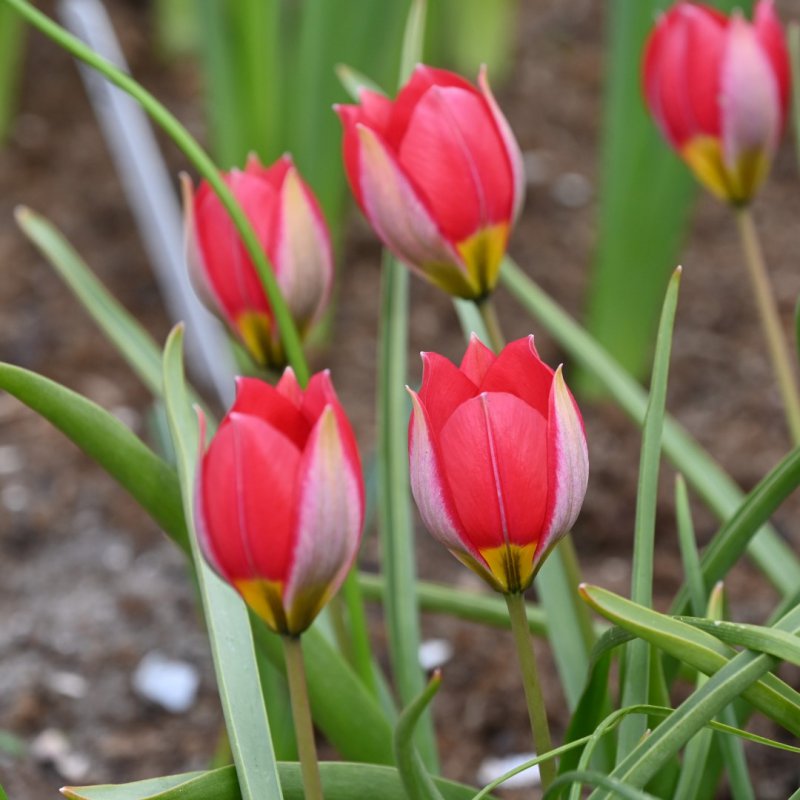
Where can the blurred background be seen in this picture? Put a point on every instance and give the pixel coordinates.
(94, 600)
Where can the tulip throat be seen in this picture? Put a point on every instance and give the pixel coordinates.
(733, 183)
(483, 253)
(512, 565)
(266, 600)
(256, 331)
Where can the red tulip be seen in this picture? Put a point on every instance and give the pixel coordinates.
(291, 229)
(439, 176)
(718, 88)
(498, 459)
(280, 498)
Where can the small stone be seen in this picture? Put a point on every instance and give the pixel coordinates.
(572, 190)
(10, 459)
(537, 165)
(15, 497)
(166, 682)
(434, 653)
(492, 768)
(69, 685)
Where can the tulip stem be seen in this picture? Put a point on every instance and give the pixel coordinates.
(301, 712)
(770, 320)
(489, 316)
(530, 680)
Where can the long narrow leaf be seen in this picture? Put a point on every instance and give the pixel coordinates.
(226, 615)
(340, 781)
(696, 648)
(736, 678)
(773, 556)
(148, 479)
(636, 689)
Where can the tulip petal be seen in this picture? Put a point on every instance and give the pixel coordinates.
(518, 370)
(770, 33)
(568, 465)
(400, 217)
(430, 487)
(444, 388)
(329, 521)
(303, 249)
(458, 161)
(750, 99)
(290, 388)
(258, 399)
(248, 477)
(512, 150)
(477, 360)
(494, 454)
(706, 30)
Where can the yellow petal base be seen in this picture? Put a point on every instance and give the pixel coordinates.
(256, 331)
(266, 599)
(704, 156)
(511, 565)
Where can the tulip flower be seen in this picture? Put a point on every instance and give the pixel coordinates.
(498, 459)
(438, 174)
(280, 498)
(291, 229)
(718, 88)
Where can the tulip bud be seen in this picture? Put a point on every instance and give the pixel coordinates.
(279, 499)
(498, 459)
(290, 227)
(718, 88)
(439, 175)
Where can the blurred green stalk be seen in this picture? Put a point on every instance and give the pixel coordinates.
(12, 40)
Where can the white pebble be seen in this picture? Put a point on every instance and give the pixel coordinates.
(168, 683)
(15, 497)
(492, 768)
(572, 190)
(434, 653)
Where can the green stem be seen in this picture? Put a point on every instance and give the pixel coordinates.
(201, 161)
(770, 320)
(572, 571)
(489, 316)
(530, 680)
(359, 632)
(301, 711)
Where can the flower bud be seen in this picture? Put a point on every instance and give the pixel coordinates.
(498, 459)
(718, 88)
(279, 501)
(439, 176)
(290, 228)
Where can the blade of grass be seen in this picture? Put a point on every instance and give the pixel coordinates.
(688, 546)
(226, 615)
(198, 157)
(704, 652)
(772, 555)
(736, 678)
(636, 689)
(734, 537)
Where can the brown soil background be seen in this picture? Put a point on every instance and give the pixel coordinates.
(88, 585)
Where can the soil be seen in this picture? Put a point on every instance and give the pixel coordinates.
(89, 586)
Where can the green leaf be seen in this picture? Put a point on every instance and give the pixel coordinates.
(688, 545)
(596, 779)
(773, 556)
(696, 648)
(793, 37)
(735, 678)
(12, 50)
(148, 479)
(780, 644)
(733, 538)
(354, 82)
(226, 615)
(416, 780)
(340, 781)
(636, 688)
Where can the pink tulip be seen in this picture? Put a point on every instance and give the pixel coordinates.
(291, 229)
(498, 459)
(439, 176)
(718, 88)
(280, 498)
